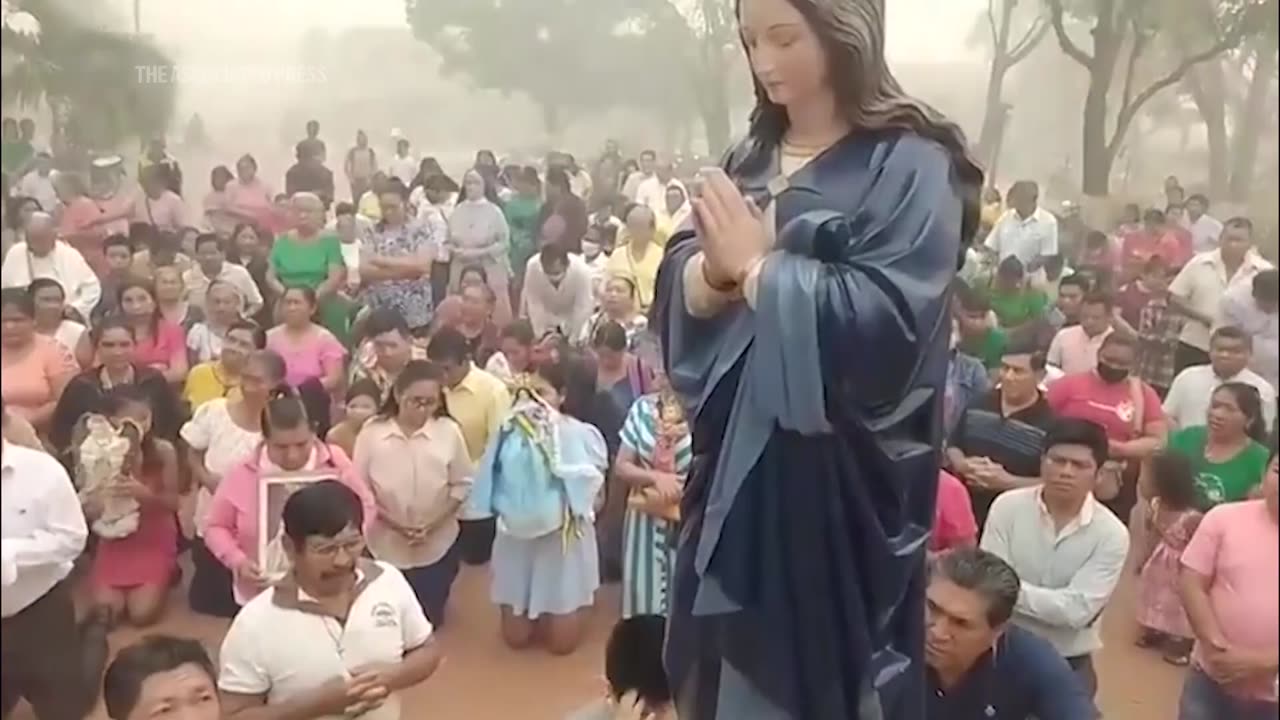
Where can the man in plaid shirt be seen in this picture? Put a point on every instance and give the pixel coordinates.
(1159, 325)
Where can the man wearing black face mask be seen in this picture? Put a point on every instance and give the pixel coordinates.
(1127, 408)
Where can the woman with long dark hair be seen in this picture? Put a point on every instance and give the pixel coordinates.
(805, 320)
(415, 459)
(1227, 452)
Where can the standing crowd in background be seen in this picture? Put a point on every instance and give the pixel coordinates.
(324, 401)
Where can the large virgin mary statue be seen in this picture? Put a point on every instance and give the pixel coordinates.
(804, 320)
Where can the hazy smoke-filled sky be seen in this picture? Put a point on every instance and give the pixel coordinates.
(935, 29)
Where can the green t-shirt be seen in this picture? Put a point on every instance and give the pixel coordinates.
(989, 348)
(307, 265)
(1014, 309)
(1228, 481)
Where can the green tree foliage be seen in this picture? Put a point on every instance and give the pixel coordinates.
(95, 80)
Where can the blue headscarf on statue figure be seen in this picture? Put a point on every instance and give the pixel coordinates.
(833, 382)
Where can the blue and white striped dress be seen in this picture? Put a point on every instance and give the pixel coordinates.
(649, 543)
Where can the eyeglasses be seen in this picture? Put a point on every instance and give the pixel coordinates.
(420, 403)
(353, 546)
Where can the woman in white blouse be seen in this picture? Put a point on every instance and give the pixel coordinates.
(415, 460)
(222, 434)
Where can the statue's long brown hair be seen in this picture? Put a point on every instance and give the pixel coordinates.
(852, 34)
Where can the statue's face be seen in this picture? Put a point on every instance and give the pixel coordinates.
(785, 54)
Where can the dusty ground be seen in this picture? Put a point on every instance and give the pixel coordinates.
(482, 680)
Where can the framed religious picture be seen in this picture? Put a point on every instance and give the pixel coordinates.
(273, 492)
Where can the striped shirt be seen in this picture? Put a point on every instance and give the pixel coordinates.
(640, 435)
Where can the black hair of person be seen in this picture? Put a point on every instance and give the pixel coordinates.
(153, 655)
(1119, 340)
(221, 172)
(553, 254)
(253, 328)
(344, 208)
(1233, 333)
(415, 371)
(1075, 280)
(1153, 216)
(984, 573)
(21, 299)
(110, 322)
(1097, 297)
(118, 240)
(208, 239)
(633, 660)
(1011, 267)
(137, 283)
(477, 270)
(1071, 431)
(557, 177)
(394, 186)
(13, 209)
(610, 335)
(385, 320)
(247, 158)
(449, 346)
(308, 293)
(1239, 223)
(45, 283)
(1096, 239)
(1173, 476)
(284, 411)
(321, 509)
(114, 402)
(364, 387)
(1249, 400)
(853, 35)
(274, 365)
(971, 300)
(1022, 188)
(520, 331)
(1029, 347)
(573, 376)
(1266, 285)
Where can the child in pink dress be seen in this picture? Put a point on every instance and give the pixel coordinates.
(1170, 519)
(131, 575)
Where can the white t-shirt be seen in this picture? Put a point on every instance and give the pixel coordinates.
(224, 443)
(385, 622)
(1025, 238)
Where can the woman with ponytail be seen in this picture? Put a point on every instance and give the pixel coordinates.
(222, 433)
(289, 445)
(415, 459)
(803, 316)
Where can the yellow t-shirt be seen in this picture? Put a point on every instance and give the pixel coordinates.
(206, 382)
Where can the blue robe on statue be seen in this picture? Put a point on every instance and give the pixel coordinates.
(817, 430)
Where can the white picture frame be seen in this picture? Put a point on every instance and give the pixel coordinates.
(273, 492)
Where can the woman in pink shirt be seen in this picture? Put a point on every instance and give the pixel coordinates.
(311, 352)
(160, 344)
(954, 525)
(289, 446)
(84, 223)
(248, 198)
(159, 206)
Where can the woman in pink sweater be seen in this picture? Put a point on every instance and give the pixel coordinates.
(289, 446)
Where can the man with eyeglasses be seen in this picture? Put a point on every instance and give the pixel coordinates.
(339, 637)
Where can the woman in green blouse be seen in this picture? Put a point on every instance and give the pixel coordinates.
(308, 256)
(1226, 454)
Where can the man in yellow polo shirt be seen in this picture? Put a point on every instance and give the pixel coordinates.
(221, 378)
(479, 402)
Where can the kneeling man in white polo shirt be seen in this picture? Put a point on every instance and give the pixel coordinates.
(337, 638)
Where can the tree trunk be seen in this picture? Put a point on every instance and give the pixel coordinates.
(1204, 83)
(551, 121)
(993, 115)
(714, 109)
(1248, 135)
(1096, 172)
